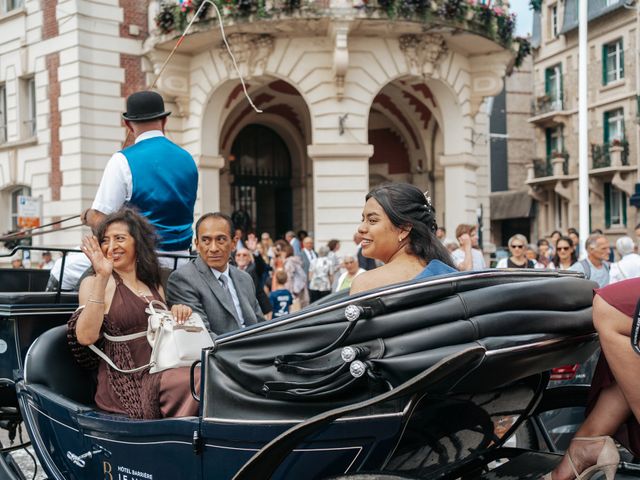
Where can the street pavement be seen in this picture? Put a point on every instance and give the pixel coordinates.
(22, 458)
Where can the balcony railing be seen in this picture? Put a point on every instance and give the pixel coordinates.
(491, 21)
(607, 154)
(551, 166)
(546, 104)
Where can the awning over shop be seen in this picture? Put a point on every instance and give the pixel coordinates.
(505, 205)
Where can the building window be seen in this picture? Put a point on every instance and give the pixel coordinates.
(553, 86)
(8, 5)
(3, 114)
(553, 19)
(613, 125)
(560, 211)
(26, 191)
(615, 207)
(28, 106)
(554, 141)
(612, 62)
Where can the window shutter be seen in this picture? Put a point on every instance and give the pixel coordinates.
(547, 81)
(605, 127)
(561, 93)
(607, 205)
(621, 59)
(548, 137)
(604, 64)
(624, 209)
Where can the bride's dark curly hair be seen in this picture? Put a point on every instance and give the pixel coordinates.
(406, 206)
(145, 238)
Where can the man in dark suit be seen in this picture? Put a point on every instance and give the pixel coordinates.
(224, 296)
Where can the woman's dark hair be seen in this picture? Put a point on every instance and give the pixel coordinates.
(145, 238)
(407, 206)
(556, 258)
(332, 244)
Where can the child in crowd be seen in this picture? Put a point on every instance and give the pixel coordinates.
(281, 298)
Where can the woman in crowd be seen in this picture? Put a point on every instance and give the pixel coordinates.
(351, 271)
(565, 255)
(398, 228)
(321, 272)
(127, 278)
(334, 246)
(613, 406)
(517, 259)
(296, 277)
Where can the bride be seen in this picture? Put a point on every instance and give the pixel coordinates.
(398, 228)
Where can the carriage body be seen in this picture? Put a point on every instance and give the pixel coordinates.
(249, 398)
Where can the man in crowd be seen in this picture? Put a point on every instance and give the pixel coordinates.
(595, 267)
(154, 175)
(468, 256)
(292, 238)
(223, 295)
(307, 254)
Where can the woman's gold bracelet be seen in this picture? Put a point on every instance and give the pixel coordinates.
(100, 302)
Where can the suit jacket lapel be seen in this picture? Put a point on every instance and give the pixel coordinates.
(247, 310)
(214, 285)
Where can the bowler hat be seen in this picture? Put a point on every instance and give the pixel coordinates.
(146, 105)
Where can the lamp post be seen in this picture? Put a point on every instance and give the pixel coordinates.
(583, 125)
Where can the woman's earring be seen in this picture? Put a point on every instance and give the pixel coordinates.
(400, 239)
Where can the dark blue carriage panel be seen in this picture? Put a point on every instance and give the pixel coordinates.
(77, 443)
(345, 446)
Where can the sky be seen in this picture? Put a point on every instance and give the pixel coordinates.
(524, 16)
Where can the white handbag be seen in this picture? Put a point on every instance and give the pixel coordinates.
(172, 345)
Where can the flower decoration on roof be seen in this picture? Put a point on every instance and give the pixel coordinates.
(483, 17)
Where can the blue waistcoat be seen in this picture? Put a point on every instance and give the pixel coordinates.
(165, 182)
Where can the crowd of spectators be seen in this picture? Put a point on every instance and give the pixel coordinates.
(602, 262)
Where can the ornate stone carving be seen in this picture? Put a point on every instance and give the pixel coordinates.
(340, 32)
(173, 84)
(251, 52)
(423, 53)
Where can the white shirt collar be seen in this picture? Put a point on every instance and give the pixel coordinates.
(218, 273)
(149, 134)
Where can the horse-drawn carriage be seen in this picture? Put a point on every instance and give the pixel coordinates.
(422, 379)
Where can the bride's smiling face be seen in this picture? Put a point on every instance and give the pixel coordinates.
(379, 235)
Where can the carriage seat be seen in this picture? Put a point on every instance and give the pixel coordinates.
(50, 363)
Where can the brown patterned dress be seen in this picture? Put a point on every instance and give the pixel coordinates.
(140, 394)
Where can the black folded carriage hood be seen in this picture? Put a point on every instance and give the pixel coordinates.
(352, 349)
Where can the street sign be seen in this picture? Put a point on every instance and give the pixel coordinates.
(29, 211)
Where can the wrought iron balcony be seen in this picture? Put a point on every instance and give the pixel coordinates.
(554, 166)
(546, 104)
(613, 154)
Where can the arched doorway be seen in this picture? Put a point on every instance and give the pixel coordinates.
(261, 188)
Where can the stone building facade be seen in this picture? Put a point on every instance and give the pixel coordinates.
(613, 116)
(351, 96)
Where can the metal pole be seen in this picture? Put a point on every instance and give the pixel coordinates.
(583, 127)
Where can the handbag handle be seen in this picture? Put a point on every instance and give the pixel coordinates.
(192, 380)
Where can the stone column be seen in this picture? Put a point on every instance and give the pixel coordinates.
(209, 184)
(460, 189)
(340, 183)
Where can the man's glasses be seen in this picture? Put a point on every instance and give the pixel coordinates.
(517, 246)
